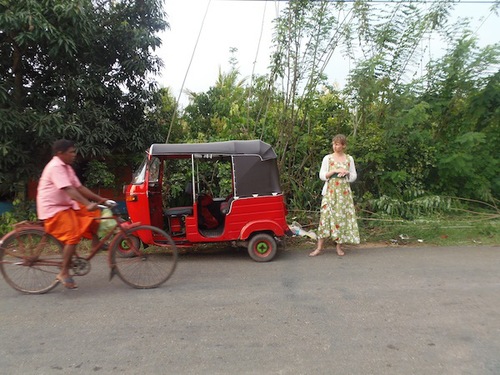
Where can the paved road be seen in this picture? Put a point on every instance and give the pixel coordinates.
(374, 311)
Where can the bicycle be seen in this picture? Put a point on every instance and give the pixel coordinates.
(30, 258)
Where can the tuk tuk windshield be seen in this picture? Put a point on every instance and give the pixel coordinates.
(139, 175)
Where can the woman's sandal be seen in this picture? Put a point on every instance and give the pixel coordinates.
(68, 282)
(315, 253)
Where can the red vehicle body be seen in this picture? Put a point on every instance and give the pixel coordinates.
(231, 192)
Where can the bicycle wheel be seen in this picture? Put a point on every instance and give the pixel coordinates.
(30, 259)
(149, 265)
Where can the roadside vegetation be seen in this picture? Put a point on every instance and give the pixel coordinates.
(471, 224)
(424, 135)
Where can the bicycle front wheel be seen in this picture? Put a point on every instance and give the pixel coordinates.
(30, 260)
(147, 265)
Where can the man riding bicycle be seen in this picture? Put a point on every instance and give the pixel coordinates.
(67, 207)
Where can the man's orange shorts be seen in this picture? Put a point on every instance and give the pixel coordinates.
(70, 226)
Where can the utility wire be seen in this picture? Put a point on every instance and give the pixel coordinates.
(393, 1)
(255, 63)
(187, 71)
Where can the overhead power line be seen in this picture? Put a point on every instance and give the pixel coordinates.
(187, 71)
(391, 1)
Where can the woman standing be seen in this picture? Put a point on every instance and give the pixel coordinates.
(337, 214)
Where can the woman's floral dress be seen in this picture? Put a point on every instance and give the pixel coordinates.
(337, 214)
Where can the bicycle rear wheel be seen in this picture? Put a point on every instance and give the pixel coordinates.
(149, 265)
(30, 259)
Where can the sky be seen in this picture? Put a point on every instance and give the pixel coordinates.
(201, 33)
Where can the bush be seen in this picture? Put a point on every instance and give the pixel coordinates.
(22, 210)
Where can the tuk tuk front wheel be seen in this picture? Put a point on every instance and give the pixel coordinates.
(123, 248)
(262, 247)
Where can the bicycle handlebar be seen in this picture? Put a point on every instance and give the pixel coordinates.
(108, 204)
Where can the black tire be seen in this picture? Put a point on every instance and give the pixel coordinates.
(262, 247)
(148, 266)
(30, 260)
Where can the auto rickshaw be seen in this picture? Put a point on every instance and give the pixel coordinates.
(212, 192)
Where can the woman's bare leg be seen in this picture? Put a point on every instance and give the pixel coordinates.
(340, 252)
(319, 248)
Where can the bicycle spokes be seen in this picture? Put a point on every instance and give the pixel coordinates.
(30, 260)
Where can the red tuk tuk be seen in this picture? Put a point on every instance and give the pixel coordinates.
(231, 193)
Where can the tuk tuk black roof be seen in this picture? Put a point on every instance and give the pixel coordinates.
(251, 147)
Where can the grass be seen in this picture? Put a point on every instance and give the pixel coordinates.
(436, 231)
(457, 229)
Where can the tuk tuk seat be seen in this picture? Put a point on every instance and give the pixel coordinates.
(176, 217)
(179, 211)
(225, 206)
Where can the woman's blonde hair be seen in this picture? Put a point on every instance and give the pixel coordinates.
(340, 138)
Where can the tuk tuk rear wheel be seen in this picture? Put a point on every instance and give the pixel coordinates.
(262, 247)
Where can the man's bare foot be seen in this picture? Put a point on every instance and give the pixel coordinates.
(67, 281)
(315, 253)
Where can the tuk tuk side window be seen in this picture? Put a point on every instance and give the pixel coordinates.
(224, 173)
(214, 176)
(255, 176)
(178, 182)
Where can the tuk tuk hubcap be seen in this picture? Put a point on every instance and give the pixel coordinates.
(262, 247)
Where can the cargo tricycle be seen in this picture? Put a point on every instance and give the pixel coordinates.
(211, 192)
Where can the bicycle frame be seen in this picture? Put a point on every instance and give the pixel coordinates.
(99, 246)
(29, 256)
(94, 250)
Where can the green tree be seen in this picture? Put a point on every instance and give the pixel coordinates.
(306, 35)
(413, 136)
(220, 113)
(164, 113)
(464, 91)
(75, 69)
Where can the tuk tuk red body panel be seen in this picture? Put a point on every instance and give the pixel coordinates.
(254, 210)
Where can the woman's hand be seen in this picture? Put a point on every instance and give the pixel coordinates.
(344, 172)
(340, 172)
